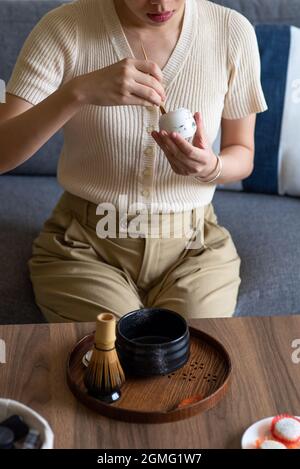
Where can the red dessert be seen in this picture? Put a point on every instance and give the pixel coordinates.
(286, 429)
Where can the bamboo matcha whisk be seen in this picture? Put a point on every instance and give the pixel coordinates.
(104, 375)
(162, 109)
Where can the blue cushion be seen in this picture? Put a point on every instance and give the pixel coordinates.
(277, 148)
(266, 11)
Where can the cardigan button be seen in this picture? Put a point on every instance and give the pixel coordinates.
(147, 172)
(150, 129)
(149, 151)
(145, 193)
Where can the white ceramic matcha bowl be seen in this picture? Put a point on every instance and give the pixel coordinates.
(34, 420)
(180, 121)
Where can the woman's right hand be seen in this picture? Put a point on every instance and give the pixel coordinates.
(128, 82)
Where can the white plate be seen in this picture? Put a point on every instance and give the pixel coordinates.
(258, 430)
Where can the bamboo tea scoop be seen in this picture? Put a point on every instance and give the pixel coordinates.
(162, 109)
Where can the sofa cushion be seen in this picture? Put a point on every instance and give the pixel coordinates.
(17, 19)
(266, 11)
(266, 232)
(27, 202)
(277, 149)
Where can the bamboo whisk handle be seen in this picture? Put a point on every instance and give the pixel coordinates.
(105, 335)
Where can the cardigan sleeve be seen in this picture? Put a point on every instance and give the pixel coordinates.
(46, 59)
(244, 95)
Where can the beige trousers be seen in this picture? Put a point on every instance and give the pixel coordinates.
(76, 274)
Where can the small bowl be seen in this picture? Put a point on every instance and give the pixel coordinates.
(9, 407)
(181, 121)
(152, 341)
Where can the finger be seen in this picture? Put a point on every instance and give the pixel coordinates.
(147, 66)
(200, 139)
(168, 144)
(161, 143)
(146, 93)
(188, 165)
(138, 101)
(193, 160)
(149, 81)
(176, 164)
(171, 145)
(203, 132)
(156, 137)
(189, 151)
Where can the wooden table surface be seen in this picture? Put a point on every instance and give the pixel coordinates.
(265, 382)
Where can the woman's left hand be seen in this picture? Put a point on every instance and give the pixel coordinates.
(196, 159)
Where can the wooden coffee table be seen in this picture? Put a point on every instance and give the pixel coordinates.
(265, 382)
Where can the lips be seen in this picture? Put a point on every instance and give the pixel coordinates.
(160, 17)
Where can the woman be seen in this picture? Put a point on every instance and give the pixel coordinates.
(82, 68)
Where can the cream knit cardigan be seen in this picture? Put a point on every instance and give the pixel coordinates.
(108, 151)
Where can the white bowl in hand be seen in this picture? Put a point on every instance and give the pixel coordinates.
(180, 121)
(9, 407)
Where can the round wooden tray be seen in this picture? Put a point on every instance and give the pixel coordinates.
(154, 400)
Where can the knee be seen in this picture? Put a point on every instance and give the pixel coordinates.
(203, 301)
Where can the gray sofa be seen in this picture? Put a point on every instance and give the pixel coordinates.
(265, 228)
